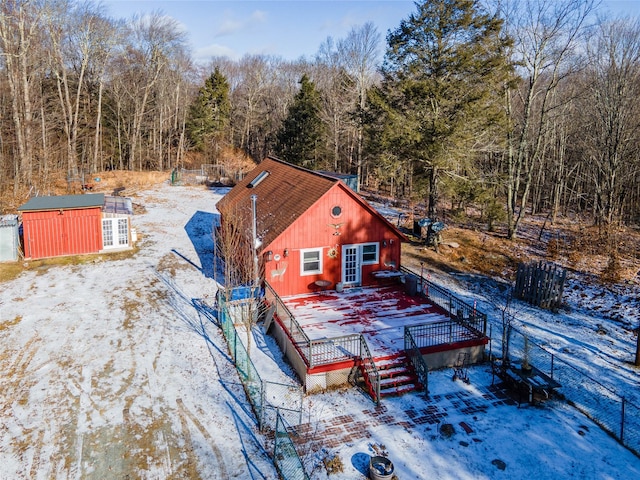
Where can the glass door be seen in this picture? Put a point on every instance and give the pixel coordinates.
(351, 268)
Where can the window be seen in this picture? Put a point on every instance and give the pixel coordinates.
(369, 253)
(311, 261)
(336, 211)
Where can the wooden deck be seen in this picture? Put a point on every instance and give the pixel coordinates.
(378, 313)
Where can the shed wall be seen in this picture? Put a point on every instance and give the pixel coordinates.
(9, 238)
(62, 232)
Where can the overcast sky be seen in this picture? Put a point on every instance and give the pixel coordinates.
(287, 28)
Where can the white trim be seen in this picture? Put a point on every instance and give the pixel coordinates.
(302, 263)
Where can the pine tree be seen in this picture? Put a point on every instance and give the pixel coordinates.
(444, 69)
(210, 112)
(299, 140)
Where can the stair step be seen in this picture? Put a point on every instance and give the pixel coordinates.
(401, 390)
(396, 381)
(393, 371)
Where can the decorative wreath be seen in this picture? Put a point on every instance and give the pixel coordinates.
(332, 253)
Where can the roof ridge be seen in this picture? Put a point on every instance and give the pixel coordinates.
(303, 169)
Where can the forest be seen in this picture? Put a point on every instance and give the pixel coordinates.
(511, 107)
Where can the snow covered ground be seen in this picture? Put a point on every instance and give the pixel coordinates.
(112, 369)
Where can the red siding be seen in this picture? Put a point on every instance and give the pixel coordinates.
(62, 232)
(314, 229)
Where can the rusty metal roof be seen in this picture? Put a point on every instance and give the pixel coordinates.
(64, 202)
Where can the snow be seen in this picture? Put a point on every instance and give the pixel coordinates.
(113, 368)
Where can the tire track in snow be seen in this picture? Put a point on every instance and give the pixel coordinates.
(185, 412)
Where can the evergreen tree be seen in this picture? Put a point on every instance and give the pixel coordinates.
(210, 112)
(443, 69)
(299, 140)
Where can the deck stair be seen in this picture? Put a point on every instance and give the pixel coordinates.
(396, 375)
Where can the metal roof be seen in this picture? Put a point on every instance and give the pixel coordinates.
(64, 202)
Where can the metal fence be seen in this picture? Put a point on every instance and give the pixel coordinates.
(271, 402)
(285, 456)
(606, 407)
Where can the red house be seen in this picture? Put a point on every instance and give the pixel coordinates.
(315, 233)
(341, 305)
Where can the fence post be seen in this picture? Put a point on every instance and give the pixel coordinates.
(262, 407)
(622, 421)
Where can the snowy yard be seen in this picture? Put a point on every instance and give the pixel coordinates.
(111, 369)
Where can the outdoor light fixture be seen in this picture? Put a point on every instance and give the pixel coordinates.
(384, 243)
(268, 256)
(286, 252)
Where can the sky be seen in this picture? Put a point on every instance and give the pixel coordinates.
(286, 28)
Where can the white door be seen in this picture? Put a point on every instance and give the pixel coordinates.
(115, 233)
(351, 267)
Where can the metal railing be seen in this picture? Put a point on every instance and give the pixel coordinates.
(455, 307)
(372, 375)
(333, 350)
(445, 332)
(417, 360)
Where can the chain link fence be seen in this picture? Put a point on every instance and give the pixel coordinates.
(611, 411)
(275, 405)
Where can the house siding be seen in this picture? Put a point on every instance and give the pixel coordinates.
(316, 229)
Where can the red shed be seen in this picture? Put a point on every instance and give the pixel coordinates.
(315, 231)
(62, 225)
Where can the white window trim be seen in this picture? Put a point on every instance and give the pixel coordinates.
(370, 262)
(310, 272)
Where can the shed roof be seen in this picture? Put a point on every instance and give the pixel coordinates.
(65, 202)
(284, 192)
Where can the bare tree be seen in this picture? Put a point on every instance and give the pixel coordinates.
(359, 52)
(153, 43)
(20, 30)
(611, 113)
(546, 34)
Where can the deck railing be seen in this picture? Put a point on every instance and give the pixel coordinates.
(314, 352)
(333, 350)
(441, 333)
(456, 308)
(327, 350)
(372, 376)
(417, 360)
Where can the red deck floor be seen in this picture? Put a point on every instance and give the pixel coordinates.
(379, 313)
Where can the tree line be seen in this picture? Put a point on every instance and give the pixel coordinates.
(512, 106)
